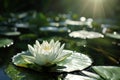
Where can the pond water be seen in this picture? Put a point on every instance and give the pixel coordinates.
(102, 50)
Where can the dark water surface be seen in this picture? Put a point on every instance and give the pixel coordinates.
(103, 51)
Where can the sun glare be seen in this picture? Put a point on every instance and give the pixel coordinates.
(98, 8)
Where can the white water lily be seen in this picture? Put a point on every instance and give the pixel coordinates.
(51, 56)
(46, 54)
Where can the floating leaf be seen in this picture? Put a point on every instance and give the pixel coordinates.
(108, 72)
(85, 34)
(10, 33)
(13, 73)
(77, 77)
(92, 75)
(28, 36)
(22, 74)
(18, 60)
(115, 36)
(5, 42)
(54, 29)
(76, 61)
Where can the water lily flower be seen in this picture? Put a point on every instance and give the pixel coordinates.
(51, 56)
(46, 54)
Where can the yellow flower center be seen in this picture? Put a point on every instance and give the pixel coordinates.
(47, 48)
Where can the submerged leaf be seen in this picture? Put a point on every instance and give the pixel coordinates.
(92, 75)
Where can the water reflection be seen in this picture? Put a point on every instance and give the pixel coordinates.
(3, 75)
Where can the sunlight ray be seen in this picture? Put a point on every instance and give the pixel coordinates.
(86, 5)
(97, 8)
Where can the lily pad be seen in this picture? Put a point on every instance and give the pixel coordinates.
(92, 75)
(28, 36)
(16, 73)
(10, 33)
(77, 77)
(77, 61)
(54, 29)
(115, 36)
(4, 42)
(85, 34)
(108, 72)
(22, 25)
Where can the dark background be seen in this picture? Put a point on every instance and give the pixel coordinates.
(82, 7)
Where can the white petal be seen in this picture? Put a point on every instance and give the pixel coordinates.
(35, 48)
(57, 43)
(32, 50)
(47, 53)
(63, 56)
(37, 43)
(60, 50)
(52, 57)
(52, 42)
(41, 59)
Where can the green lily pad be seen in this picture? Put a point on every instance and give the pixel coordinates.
(54, 29)
(77, 77)
(5, 42)
(115, 36)
(92, 75)
(83, 34)
(108, 72)
(10, 33)
(76, 61)
(28, 36)
(16, 73)
(13, 73)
